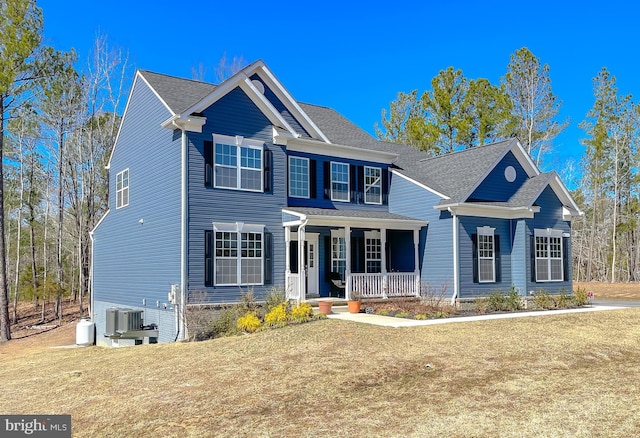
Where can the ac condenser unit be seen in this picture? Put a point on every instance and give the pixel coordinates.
(129, 320)
(112, 321)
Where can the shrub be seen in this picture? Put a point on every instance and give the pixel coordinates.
(384, 312)
(302, 312)
(543, 300)
(420, 316)
(496, 301)
(224, 325)
(580, 297)
(403, 314)
(248, 303)
(275, 297)
(277, 316)
(480, 304)
(513, 300)
(564, 300)
(248, 323)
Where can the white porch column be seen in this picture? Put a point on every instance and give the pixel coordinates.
(301, 268)
(416, 243)
(347, 271)
(287, 250)
(383, 262)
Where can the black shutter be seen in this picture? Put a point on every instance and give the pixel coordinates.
(208, 163)
(496, 245)
(474, 257)
(327, 179)
(312, 179)
(327, 258)
(353, 183)
(385, 186)
(293, 256)
(268, 258)
(360, 184)
(208, 257)
(268, 165)
(532, 249)
(566, 259)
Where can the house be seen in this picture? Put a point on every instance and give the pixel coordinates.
(215, 190)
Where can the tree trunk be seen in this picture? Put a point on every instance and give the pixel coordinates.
(5, 325)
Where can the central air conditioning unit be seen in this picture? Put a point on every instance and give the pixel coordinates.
(129, 320)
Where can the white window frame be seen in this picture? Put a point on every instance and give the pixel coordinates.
(369, 253)
(121, 189)
(301, 159)
(486, 247)
(240, 143)
(348, 183)
(338, 252)
(546, 252)
(238, 229)
(368, 187)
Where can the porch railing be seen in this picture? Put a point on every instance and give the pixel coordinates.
(394, 284)
(293, 287)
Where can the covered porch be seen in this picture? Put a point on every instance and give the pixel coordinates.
(342, 252)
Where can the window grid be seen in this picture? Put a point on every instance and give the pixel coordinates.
(298, 177)
(372, 185)
(339, 181)
(373, 255)
(228, 258)
(486, 258)
(243, 174)
(548, 258)
(122, 189)
(339, 256)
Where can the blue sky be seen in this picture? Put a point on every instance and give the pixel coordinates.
(355, 57)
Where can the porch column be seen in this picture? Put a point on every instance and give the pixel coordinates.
(287, 250)
(416, 243)
(347, 270)
(301, 268)
(383, 262)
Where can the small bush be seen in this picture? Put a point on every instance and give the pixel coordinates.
(513, 300)
(543, 300)
(496, 301)
(403, 314)
(480, 305)
(302, 312)
(225, 324)
(580, 297)
(277, 316)
(564, 300)
(384, 312)
(248, 303)
(275, 297)
(420, 316)
(248, 323)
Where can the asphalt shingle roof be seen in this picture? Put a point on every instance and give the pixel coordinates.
(354, 214)
(179, 94)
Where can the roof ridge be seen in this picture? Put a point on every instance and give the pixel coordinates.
(141, 70)
(474, 148)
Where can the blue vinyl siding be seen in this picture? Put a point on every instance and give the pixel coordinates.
(495, 187)
(281, 108)
(234, 114)
(319, 201)
(134, 261)
(436, 244)
(550, 216)
(469, 226)
(519, 255)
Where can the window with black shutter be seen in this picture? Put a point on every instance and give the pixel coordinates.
(208, 258)
(268, 174)
(208, 163)
(268, 258)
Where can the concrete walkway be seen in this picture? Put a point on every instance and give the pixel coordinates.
(341, 312)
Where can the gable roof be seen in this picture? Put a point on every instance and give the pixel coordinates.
(178, 94)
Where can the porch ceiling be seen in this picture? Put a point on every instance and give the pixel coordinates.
(353, 218)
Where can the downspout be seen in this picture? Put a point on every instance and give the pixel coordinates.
(91, 279)
(180, 307)
(456, 274)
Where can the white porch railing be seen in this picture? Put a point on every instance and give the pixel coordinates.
(293, 287)
(394, 284)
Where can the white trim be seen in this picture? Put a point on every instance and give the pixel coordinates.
(379, 185)
(308, 196)
(182, 327)
(238, 228)
(311, 146)
(419, 184)
(548, 234)
(486, 231)
(331, 163)
(372, 235)
(456, 273)
(492, 211)
(359, 222)
(122, 190)
(238, 142)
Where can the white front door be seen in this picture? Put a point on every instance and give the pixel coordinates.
(312, 265)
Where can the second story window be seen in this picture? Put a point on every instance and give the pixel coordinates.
(298, 177)
(238, 163)
(122, 189)
(339, 182)
(372, 185)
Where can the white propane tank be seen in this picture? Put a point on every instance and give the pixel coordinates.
(84, 332)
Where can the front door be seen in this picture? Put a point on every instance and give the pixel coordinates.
(312, 265)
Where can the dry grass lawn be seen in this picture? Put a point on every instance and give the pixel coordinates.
(564, 375)
(615, 291)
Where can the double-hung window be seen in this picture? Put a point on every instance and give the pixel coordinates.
(298, 177)
(340, 181)
(338, 253)
(373, 252)
(372, 185)
(486, 255)
(238, 163)
(548, 251)
(239, 254)
(122, 189)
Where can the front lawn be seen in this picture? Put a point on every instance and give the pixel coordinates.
(564, 375)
